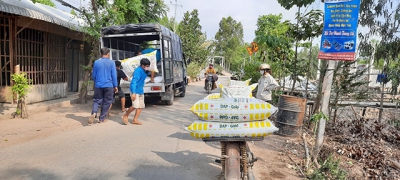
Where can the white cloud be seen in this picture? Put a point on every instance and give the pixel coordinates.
(245, 11)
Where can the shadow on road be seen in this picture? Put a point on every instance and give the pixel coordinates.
(183, 136)
(3, 110)
(81, 119)
(185, 165)
(27, 173)
(38, 174)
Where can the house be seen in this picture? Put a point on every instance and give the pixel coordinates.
(46, 43)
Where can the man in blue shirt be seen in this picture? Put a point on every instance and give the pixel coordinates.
(137, 92)
(105, 85)
(158, 58)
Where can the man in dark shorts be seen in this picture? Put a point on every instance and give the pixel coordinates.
(120, 94)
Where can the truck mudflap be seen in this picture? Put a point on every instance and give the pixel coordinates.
(169, 94)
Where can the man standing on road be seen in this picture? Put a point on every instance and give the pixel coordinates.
(121, 94)
(137, 92)
(105, 85)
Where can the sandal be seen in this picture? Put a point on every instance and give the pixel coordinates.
(103, 121)
(137, 123)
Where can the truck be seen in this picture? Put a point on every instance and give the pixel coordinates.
(126, 41)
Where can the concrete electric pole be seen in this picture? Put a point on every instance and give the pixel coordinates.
(176, 5)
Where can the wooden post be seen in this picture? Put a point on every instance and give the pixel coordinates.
(382, 91)
(16, 71)
(326, 90)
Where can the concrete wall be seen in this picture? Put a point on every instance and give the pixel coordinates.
(5, 94)
(46, 92)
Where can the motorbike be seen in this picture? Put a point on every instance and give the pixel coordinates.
(209, 83)
(237, 160)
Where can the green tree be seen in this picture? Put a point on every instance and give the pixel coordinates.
(170, 23)
(288, 4)
(20, 90)
(137, 11)
(271, 35)
(73, 12)
(382, 18)
(154, 10)
(275, 46)
(192, 38)
(45, 2)
(229, 42)
(309, 25)
(309, 61)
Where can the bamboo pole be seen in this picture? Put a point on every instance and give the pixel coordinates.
(16, 71)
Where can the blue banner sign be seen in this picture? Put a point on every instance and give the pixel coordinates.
(339, 36)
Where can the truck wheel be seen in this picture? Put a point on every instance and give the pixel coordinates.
(183, 93)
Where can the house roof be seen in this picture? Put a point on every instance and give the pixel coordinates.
(41, 12)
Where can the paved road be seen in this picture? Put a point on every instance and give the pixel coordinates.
(158, 150)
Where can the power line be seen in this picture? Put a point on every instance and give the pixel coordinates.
(67, 4)
(75, 3)
(176, 4)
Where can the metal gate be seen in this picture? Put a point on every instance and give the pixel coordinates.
(5, 51)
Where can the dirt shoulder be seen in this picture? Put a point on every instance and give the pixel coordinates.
(42, 124)
(273, 162)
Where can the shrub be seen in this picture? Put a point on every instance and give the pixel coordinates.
(193, 69)
(20, 90)
(251, 71)
(329, 170)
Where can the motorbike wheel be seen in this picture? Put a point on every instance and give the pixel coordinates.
(232, 163)
(209, 84)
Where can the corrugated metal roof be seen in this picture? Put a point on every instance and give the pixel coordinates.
(42, 12)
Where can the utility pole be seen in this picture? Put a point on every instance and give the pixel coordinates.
(326, 90)
(176, 5)
(64, 3)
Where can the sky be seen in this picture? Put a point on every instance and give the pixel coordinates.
(211, 12)
(245, 11)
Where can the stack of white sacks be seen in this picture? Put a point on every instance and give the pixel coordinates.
(232, 113)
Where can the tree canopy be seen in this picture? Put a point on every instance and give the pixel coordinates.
(45, 2)
(73, 12)
(288, 4)
(169, 23)
(192, 38)
(229, 41)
